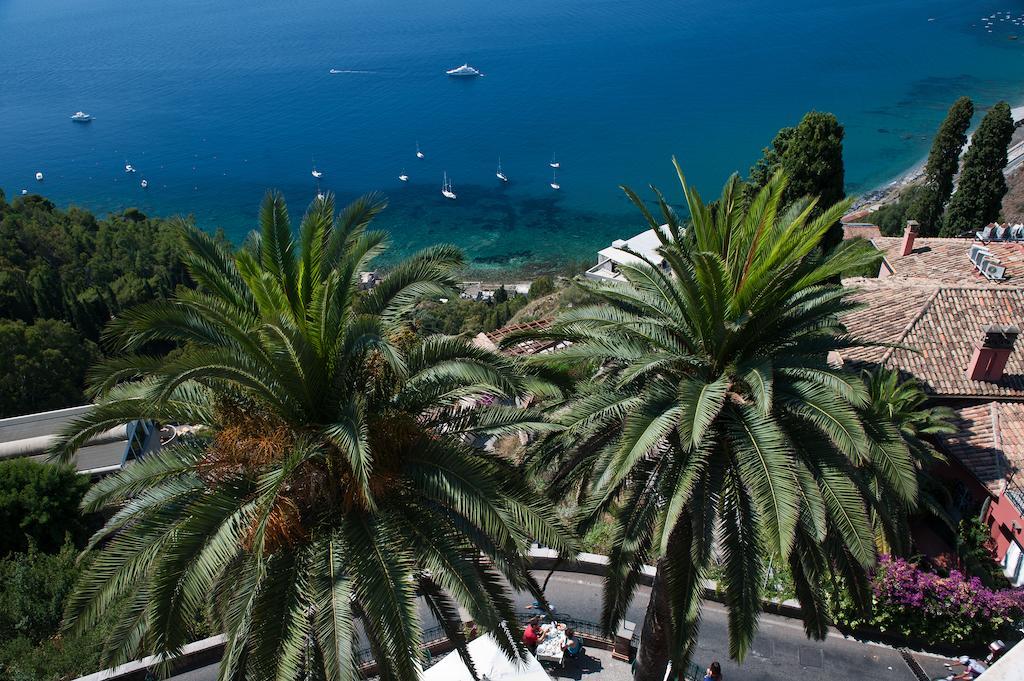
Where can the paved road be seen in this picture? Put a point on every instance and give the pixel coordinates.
(105, 453)
(781, 651)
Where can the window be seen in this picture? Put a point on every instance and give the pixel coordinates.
(1012, 563)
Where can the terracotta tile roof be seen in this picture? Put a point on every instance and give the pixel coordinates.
(944, 324)
(855, 216)
(946, 261)
(491, 340)
(989, 442)
(860, 229)
(887, 313)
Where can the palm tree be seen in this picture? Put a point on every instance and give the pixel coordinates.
(896, 412)
(714, 427)
(332, 487)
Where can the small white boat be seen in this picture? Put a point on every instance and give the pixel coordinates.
(446, 189)
(316, 173)
(24, 191)
(554, 181)
(500, 175)
(129, 168)
(144, 183)
(39, 177)
(419, 154)
(320, 196)
(81, 117)
(403, 177)
(464, 71)
(554, 162)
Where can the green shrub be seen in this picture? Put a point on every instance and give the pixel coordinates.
(541, 287)
(33, 589)
(33, 586)
(39, 505)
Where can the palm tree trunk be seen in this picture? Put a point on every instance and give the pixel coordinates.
(652, 658)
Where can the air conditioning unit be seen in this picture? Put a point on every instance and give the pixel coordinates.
(1002, 233)
(985, 234)
(1017, 232)
(994, 271)
(976, 253)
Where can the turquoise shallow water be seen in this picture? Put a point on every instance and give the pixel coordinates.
(215, 103)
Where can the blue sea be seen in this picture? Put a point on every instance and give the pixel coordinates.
(215, 102)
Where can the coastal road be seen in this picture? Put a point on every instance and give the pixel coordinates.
(781, 651)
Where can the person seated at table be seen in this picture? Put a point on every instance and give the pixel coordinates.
(573, 644)
(532, 634)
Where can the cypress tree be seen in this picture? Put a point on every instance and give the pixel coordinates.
(979, 196)
(943, 163)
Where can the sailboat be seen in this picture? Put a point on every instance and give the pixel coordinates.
(554, 181)
(403, 177)
(500, 175)
(554, 163)
(419, 154)
(446, 188)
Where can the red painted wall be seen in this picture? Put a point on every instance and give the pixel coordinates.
(1001, 517)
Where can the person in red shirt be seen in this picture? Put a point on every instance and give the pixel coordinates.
(531, 634)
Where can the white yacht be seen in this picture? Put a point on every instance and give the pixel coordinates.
(81, 117)
(419, 154)
(403, 177)
(317, 173)
(464, 71)
(554, 181)
(499, 174)
(446, 188)
(144, 183)
(554, 162)
(129, 168)
(39, 177)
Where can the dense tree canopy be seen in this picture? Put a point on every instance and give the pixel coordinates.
(39, 505)
(811, 155)
(72, 266)
(42, 366)
(941, 167)
(979, 195)
(63, 274)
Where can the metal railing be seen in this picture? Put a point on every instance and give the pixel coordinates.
(1015, 493)
(431, 635)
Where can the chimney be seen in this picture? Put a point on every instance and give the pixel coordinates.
(989, 360)
(909, 234)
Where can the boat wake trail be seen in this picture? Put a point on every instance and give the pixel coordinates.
(337, 71)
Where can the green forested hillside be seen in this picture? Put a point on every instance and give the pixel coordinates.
(63, 275)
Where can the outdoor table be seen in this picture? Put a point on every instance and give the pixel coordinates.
(550, 649)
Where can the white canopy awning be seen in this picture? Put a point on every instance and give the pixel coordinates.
(490, 663)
